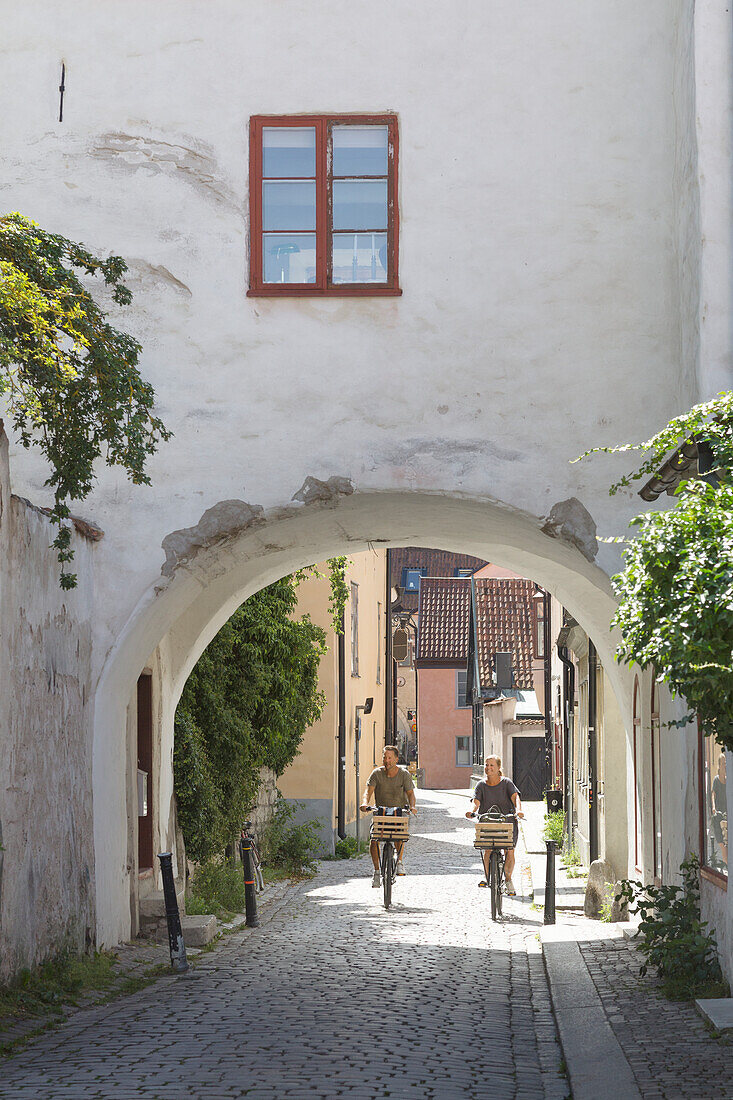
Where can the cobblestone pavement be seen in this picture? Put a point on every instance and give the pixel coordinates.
(333, 996)
(668, 1046)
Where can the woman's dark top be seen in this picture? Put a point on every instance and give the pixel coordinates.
(500, 796)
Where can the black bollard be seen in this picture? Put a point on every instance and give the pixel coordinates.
(179, 962)
(550, 883)
(250, 894)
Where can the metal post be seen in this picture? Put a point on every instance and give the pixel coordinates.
(250, 893)
(357, 739)
(179, 962)
(550, 883)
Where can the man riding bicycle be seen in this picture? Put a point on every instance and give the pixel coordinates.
(389, 785)
(496, 791)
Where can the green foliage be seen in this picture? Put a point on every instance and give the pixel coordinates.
(673, 937)
(69, 378)
(247, 703)
(606, 913)
(554, 827)
(216, 887)
(339, 590)
(347, 848)
(676, 591)
(46, 988)
(571, 856)
(292, 847)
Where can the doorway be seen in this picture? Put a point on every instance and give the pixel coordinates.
(529, 767)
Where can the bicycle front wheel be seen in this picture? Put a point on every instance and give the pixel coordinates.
(387, 872)
(494, 885)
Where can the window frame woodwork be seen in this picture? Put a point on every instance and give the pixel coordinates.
(323, 285)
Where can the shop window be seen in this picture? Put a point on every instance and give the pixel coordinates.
(637, 798)
(656, 787)
(323, 205)
(714, 807)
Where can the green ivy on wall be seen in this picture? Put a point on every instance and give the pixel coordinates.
(676, 590)
(70, 380)
(247, 704)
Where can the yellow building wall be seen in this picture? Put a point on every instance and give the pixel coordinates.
(312, 778)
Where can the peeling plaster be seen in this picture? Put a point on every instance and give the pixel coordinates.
(571, 521)
(193, 162)
(459, 454)
(313, 490)
(158, 274)
(224, 520)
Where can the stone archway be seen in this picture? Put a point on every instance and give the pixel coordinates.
(211, 570)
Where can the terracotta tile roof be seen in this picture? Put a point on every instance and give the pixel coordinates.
(445, 620)
(437, 563)
(503, 615)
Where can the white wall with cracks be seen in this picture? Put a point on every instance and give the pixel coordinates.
(551, 262)
(47, 889)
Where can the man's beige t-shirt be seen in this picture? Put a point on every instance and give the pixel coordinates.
(391, 791)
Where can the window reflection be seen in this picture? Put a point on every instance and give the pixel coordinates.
(359, 257)
(289, 257)
(716, 806)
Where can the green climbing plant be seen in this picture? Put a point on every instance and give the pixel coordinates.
(675, 593)
(247, 703)
(69, 379)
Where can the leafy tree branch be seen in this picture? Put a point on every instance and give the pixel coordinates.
(676, 590)
(69, 379)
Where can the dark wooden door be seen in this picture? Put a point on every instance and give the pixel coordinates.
(145, 765)
(529, 767)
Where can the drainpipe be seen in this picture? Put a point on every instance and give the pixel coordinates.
(593, 749)
(390, 677)
(549, 732)
(568, 692)
(341, 789)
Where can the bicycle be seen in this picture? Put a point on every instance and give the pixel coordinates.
(247, 834)
(390, 826)
(494, 833)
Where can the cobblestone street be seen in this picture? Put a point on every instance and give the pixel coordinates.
(333, 996)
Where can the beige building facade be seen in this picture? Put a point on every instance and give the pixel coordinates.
(340, 750)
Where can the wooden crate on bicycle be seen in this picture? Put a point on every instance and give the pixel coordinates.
(494, 834)
(388, 827)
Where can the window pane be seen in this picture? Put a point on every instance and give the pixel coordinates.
(289, 257)
(359, 150)
(288, 206)
(288, 152)
(360, 204)
(362, 258)
(716, 806)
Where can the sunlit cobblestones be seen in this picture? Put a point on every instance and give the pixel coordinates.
(334, 997)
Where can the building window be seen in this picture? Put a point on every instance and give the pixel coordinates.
(463, 752)
(463, 573)
(539, 647)
(354, 629)
(656, 788)
(411, 579)
(380, 643)
(462, 699)
(713, 806)
(637, 796)
(323, 205)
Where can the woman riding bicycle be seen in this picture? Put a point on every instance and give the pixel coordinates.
(498, 792)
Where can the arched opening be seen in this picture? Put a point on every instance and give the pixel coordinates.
(178, 616)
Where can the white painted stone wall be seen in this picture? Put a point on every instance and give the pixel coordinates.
(46, 828)
(551, 262)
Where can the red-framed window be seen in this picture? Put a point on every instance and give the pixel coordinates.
(323, 205)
